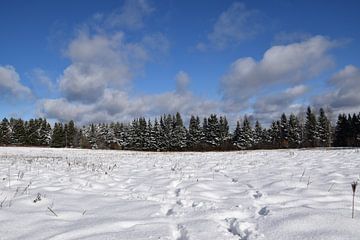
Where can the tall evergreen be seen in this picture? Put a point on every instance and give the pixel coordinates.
(258, 135)
(212, 131)
(284, 132)
(178, 134)
(294, 132)
(224, 129)
(324, 129)
(18, 131)
(194, 133)
(275, 134)
(340, 131)
(311, 134)
(71, 134)
(244, 137)
(58, 136)
(5, 132)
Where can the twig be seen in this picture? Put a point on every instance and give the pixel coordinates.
(308, 183)
(302, 175)
(52, 211)
(331, 187)
(353, 186)
(1, 204)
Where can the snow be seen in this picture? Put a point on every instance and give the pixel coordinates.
(86, 194)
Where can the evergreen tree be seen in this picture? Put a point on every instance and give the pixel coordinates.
(18, 131)
(224, 129)
(71, 134)
(258, 135)
(58, 136)
(212, 131)
(5, 132)
(244, 137)
(311, 134)
(284, 132)
(194, 133)
(340, 131)
(324, 129)
(275, 134)
(44, 133)
(178, 135)
(294, 132)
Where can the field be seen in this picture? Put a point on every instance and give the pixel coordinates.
(85, 194)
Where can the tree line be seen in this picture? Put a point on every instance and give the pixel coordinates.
(168, 133)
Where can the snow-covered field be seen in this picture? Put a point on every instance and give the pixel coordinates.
(84, 194)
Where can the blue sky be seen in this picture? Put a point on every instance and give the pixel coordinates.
(116, 60)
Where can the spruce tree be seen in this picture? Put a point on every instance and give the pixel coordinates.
(5, 132)
(258, 135)
(194, 133)
(324, 129)
(224, 129)
(311, 134)
(178, 135)
(284, 132)
(275, 134)
(58, 136)
(18, 131)
(294, 132)
(340, 131)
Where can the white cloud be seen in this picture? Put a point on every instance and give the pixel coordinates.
(131, 15)
(10, 84)
(234, 25)
(182, 82)
(271, 106)
(344, 96)
(41, 80)
(285, 64)
(117, 105)
(99, 61)
(290, 37)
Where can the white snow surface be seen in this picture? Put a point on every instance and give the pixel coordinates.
(87, 194)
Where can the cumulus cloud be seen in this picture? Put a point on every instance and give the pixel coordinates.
(271, 106)
(234, 25)
(290, 37)
(131, 15)
(10, 84)
(99, 61)
(182, 82)
(344, 96)
(41, 80)
(284, 64)
(119, 106)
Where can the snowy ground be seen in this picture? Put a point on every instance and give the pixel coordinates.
(285, 194)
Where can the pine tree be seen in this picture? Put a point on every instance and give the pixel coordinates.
(224, 129)
(18, 131)
(5, 132)
(244, 136)
(71, 134)
(311, 134)
(258, 135)
(212, 131)
(194, 133)
(324, 129)
(294, 132)
(178, 135)
(45, 133)
(284, 132)
(340, 131)
(275, 134)
(58, 136)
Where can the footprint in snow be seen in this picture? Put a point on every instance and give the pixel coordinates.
(264, 211)
(257, 195)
